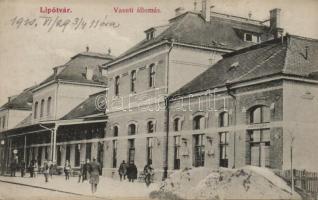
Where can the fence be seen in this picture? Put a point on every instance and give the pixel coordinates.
(304, 180)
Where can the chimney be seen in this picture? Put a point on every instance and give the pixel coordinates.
(249, 15)
(179, 11)
(89, 73)
(274, 22)
(206, 10)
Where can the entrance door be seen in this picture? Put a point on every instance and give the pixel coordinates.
(255, 155)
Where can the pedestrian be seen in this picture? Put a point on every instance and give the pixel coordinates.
(35, 169)
(67, 170)
(22, 168)
(31, 170)
(94, 171)
(80, 174)
(149, 172)
(51, 169)
(46, 170)
(122, 170)
(132, 172)
(86, 168)
(13, 167)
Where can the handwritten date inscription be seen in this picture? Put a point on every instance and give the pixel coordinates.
(57, 22)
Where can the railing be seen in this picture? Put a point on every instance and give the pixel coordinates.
(304, 180)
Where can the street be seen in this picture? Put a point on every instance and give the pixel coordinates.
(10, 191)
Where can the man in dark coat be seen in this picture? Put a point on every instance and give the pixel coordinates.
(31, 169)
(122, 171)
(22, 168)
(13, 167)
(95, 168)
(86, 169)
(132, 172)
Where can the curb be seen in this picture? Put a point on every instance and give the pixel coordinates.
(54, 190)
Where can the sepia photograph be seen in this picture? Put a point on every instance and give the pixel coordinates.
(159, 100)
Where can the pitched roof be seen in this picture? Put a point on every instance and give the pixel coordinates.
(266, 59)
(191, 28)
(22, 101)
(87, 108)
(75, 69)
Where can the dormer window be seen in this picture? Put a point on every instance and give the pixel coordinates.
(250, 37)
(150, 35)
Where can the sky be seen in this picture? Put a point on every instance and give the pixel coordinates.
(28, 53)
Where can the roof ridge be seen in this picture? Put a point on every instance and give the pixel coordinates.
(303, 37)
(260, 64)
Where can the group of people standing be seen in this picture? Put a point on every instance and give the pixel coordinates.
(33, 167)
(88, 170)
(130, 170)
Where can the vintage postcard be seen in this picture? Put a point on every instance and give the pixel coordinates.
(157, 99)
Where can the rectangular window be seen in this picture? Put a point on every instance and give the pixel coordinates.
(88, 151)
(68, 153)
(116, 86)
(149, 149)
(42, 108)
(46, 155)
(4, 122)
(177, 152)
(199, 151)
(58, 156)
(248, 37)
(223, 149)
(133, 81)
(152, 75)
(48, 106)
(36, 104)
(114, 153)
(77, 155)
(131, 150)
(259, 142)
(39, 156)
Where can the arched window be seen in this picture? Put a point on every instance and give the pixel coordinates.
(115, 131)
(42, 108)
(224, 119)
(259, 114)
(198, 122)
(133, 81)
(150, 127)
(116, 87)
(36, 105)
(132, 129)
(152, 74)
(48, 106)
(177, 124)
